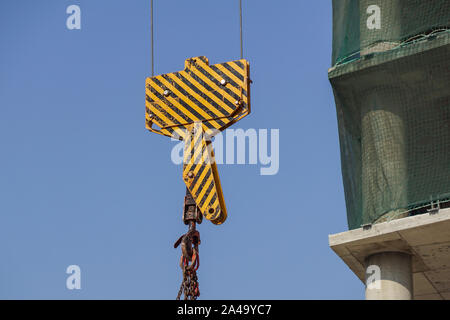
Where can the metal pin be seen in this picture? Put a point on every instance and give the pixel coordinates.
(223, 82)
(166, 93)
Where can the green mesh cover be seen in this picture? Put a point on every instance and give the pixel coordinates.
(393, 110)
(399, 21)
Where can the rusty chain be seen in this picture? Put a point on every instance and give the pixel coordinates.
(189, 286)
(190, 260)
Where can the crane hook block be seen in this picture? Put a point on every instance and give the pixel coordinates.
(201, 176)
(216, 95)
(193, 105)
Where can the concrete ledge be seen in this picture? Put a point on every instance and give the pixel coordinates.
(426, 237)
(441, 40)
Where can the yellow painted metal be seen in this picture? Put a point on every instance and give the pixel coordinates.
(216, 95)
(200, 174)
(193, 105)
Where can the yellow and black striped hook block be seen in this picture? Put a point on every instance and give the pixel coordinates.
(193, 105)
(201, 176)
(216, 95)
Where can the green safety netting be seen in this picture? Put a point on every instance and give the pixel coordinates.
(396, 21)
(393, 106)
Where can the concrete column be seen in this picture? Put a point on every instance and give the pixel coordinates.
(389, 276)
(384, 171)
(384, 166)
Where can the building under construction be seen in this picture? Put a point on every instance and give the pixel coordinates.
(391, 81)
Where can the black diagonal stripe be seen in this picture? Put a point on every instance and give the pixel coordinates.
(231, 81)
(158, 118)
(202, 183)
(224, 76)
(234, 71)
(198, 103)
(171, 131)
(199, 157)
(239, 64)
(206, 194)
(195, 144)
(199, 173)
(207, 87)
(165, 113)
(147, 97)
(188, 83)
(216, 82)
(213, 199)
(184, 104)
(237, 74)
(165, 101)
(204, 59)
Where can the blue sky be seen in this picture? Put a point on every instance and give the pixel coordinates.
(82, 182)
